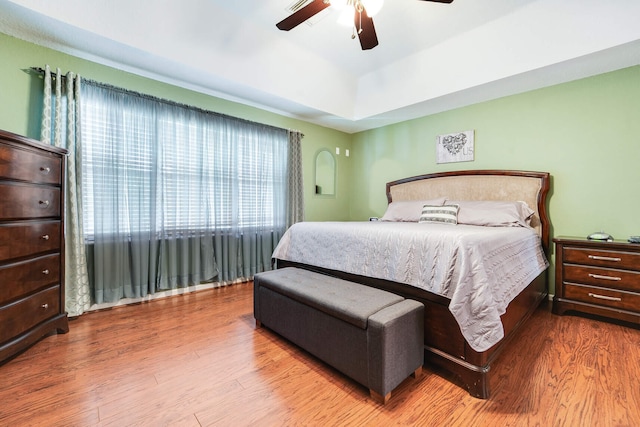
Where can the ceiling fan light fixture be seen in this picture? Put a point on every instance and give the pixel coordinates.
(372, 6)
(340, 4)
(345, 18)
(348, 9)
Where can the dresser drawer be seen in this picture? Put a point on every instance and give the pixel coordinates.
(20, 240)
(25, 277)
(20, 316)
(602, 258)
(604, 277)
(623, 300)
(27, 165)
(29, 201)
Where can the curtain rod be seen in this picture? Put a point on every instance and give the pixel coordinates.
(41, 71)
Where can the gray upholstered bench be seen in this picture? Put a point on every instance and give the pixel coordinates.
(372, 336)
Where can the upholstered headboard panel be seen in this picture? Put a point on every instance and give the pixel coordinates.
(530, 187)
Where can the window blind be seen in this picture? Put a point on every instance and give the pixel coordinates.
(169, 170)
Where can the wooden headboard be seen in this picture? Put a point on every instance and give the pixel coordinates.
(503, 185)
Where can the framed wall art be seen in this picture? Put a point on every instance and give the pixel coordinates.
(455, 147)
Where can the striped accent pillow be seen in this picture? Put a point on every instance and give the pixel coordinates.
(447, 214)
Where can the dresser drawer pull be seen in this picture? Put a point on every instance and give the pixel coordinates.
(604, 297)
(45, 306)
(44, 203)
(45, 272)
(45, 169)
(45, 237)
(604, 258)
(598, 276)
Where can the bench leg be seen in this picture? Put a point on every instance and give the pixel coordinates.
(417, 373)
(380, 398)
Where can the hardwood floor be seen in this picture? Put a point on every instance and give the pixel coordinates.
(198, 360)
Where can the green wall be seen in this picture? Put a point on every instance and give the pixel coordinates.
(586, 133)
(21, 99)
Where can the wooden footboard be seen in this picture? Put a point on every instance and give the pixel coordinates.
(450, 351)
(445, 346)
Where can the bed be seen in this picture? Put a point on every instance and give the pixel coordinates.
(472, 311)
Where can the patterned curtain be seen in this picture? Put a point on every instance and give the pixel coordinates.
(61, 127)
(295, 188)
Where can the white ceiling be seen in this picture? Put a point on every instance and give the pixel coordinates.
(432, 57)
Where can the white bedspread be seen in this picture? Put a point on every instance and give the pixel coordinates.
(481, 269)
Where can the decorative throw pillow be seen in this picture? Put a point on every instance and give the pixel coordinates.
(408, 210)
(446, 214)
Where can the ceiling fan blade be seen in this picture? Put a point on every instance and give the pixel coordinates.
(440, 1)
(366, 31)
(302, 15)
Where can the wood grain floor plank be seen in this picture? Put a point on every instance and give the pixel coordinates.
(198, 360)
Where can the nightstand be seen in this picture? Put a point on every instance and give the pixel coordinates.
(596, 277)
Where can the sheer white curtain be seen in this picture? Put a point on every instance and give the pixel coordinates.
(174, 195)
(60, 127)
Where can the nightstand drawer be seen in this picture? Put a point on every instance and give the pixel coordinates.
(603, 277)
(22, 315)
(602, 258)
(601, 296)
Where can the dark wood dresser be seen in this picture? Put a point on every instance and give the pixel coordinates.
(31, 242)
(596, 277)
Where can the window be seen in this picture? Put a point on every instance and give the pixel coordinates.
(159, 169)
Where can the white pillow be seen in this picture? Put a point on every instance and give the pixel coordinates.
(493, 213)
(408, 210)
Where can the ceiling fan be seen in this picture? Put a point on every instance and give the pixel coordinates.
(363, 23)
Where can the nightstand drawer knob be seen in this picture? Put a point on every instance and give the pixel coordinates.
(45, 237)
(44, 203)
(45, 169)
(599, 276)
(604, 297)
(605, 258)
(45, 272)
(45, 306)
